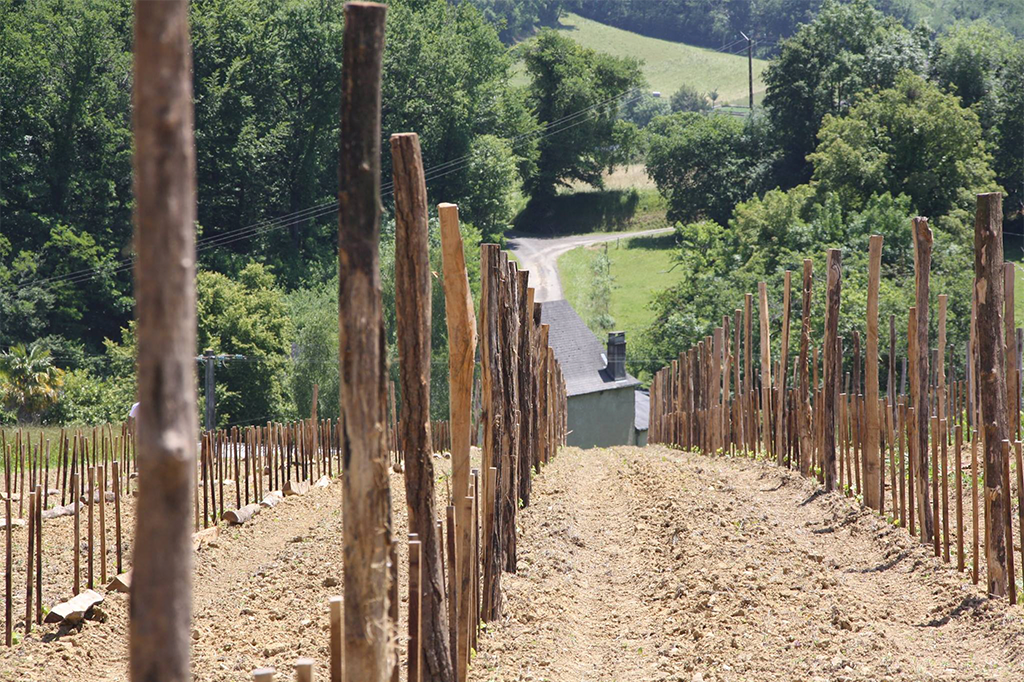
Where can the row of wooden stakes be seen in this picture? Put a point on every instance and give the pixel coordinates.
(853, 438)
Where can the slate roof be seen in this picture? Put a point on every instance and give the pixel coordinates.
(580, 353)
(641, 418)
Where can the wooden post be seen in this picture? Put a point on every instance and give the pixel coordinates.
(462, 346)
(750, 429)
(922, 268)
(780, 380)
(415, 592)
(766, 367)
(872, 461)
(806, 435)
(1010, 346)
(89, 528)
(958, 478)
(988, 283)
(335, 607)
(832, 367)
(412, 308)
(366, 494)
(8, 575)
(30, 558)
(165, 213)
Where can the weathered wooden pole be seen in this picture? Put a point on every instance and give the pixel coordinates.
(922, 268)
(766, 367)
(167, 428)
(804, 414)
(780, 380)
(412, 312)
(461, 348)
(832, 368)
(872, 461)
(1010, 349)
(988, 284)
(365, 490)
(751, 427)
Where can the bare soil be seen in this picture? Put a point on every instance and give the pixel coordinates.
(635, 565)
(654, 564)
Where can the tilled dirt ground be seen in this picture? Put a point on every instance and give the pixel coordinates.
(653, 564)
(635, 565)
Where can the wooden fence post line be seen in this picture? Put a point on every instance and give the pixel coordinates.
(832, 368)
(367, 498)
(412, 310)
(872, 460)
(988, 285)
(165, 214)
(922, 268)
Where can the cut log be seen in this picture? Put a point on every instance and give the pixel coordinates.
(239, 516)
(121, 583)
(296, 488)
(17, 523)
(204, 537)
(74, 610)
(324, 481)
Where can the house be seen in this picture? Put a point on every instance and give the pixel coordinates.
(603, 399)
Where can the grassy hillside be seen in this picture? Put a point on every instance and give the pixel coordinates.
(667, 65)
(641, 267)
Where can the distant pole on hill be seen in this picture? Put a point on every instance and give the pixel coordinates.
(750, 68)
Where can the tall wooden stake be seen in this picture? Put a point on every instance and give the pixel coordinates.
(832, 367)
(361, 351)
(766, 367)
(922, 268)
(872, 461)
(988, 284)
(780, 379)
(412, 309)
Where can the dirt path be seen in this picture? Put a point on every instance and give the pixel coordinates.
(540, 256)
(651, 564)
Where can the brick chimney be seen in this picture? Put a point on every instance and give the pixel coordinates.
(617, 355)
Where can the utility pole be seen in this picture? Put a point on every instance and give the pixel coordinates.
(208, 359)
(750, 68)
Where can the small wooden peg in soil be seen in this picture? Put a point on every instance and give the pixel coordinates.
(304, 670)
(263, 675)
(335, 607)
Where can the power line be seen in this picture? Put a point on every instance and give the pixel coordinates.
(311, 213)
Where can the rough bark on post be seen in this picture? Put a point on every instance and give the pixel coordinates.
(831, 368)
(922, 267)
(366, 494)
(412, 316)
(165, 214)
(1010, 364)
(510, 357)
(806, 435)
(751, 428)
(780, 380)
(526, 376)
(988, 285)
(872, 460)
(766, 367)
(493, 418)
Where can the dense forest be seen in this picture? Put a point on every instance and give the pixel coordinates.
(865, 123)
(266, 87)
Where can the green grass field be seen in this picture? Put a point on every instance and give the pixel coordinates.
(667, 65)
(641, 267)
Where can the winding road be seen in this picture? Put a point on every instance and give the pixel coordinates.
(540, 255)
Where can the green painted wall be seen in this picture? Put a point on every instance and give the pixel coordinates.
(602, 419)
